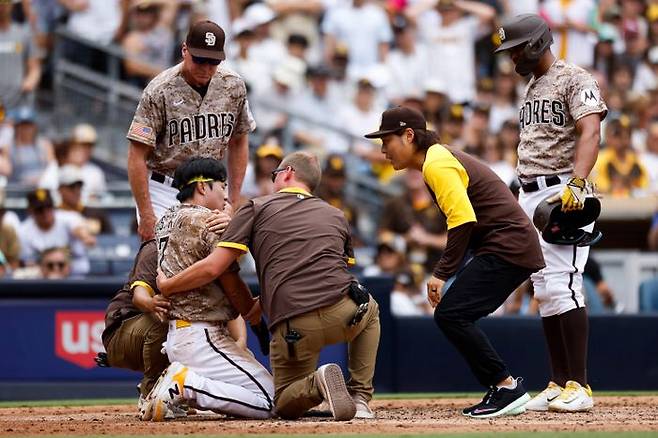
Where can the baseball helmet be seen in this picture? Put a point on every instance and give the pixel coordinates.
(529, 30)
(564, 227)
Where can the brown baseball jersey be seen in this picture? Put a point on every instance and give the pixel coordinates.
(143, 273)
(302, 247)
(183, 239)
(552, 105)
(174, 119)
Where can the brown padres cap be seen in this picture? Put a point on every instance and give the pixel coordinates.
(399, 118)
(206, 40)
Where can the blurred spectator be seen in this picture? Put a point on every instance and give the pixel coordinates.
(94, 20)
(649, 157)
(476, 130)
(258, 178)
(30, 152)
(634, 28)
(10, 246)
(20, 61)
(71, 182)
(390, 256)
(364, 29)
(505, 99)
(6, 139)
(493, 153)
(359, 115)
(414, 216)
(593, 272)
(46, 228)
(299, 17)
(407, 64)
(518, 7)
(435, 102)
(318, 104)
(572, 23)
(255, 72)
(259, 17)
(55, 263)
(270, 106)
(297, 46)
(452, 128)
(97, 21)
(47, 14)
(149, 44)
(406, 299)
(332, 190)
(646, 76)
(83, 140)
(604, 51)
(451, 32)
(618, 169)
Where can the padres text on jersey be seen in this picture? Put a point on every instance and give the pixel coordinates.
(552, 105)
(174, 119)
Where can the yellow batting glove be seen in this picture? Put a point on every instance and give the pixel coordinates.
(574, 193)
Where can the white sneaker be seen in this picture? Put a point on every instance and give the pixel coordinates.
(141, 406)
(574, 398)
(168, 392)
(330, 382)
(540, 401)
(363, 411)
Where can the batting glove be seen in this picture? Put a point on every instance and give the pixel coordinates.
(574, 193)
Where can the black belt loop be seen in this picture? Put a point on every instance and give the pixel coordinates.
(291, 338)
(533, 186)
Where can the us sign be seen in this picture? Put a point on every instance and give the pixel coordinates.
(78, 336)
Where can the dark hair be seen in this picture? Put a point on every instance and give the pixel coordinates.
(196, 167)
(298, 39)
(424, 138)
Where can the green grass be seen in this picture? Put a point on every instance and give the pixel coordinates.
(396, 396)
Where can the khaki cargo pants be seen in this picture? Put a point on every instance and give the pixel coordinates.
(295, 391)
(137, 345)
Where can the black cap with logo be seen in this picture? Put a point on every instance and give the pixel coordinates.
(39, 198)
(397, 119)
(206, 40)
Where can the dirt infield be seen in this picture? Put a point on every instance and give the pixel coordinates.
(393, 417)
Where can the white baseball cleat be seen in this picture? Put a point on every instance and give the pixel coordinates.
(168, 392)
(574, 398)
(363, 411)
(540, 401)
(329, 380)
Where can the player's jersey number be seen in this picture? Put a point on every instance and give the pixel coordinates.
(162, 246)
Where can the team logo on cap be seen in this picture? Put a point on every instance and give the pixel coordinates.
(210, 39)
(501, 34)
(403, 123)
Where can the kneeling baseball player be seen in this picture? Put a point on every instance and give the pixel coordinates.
(208, 369)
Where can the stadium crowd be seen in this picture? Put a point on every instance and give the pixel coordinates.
(323, 70)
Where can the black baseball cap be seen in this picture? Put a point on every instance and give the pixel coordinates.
(39, 198)
(398, 118)
(206, 40)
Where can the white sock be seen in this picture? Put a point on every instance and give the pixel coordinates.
(510, 386)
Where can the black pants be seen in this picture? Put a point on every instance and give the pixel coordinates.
(480, 288)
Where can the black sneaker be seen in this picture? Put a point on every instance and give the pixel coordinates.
(500, 401)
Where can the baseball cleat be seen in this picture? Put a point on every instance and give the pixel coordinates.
(329, 380)
(363, 411)
(500, 401)
(168, 392)
(541, 401)
(574, 398)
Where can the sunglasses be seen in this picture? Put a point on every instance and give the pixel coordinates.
(282, 169)
(51, 266)
(201, 61)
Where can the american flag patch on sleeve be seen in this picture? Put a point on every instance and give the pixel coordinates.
(142, 133)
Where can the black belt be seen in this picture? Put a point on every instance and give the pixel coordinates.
(158, 177)
(534, 185)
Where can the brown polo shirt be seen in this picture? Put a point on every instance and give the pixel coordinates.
(481, 212)
(144, 273)
(302, 249)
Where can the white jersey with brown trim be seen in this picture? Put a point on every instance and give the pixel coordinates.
(552, 105)
(174, 119)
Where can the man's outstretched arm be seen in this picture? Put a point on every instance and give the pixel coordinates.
(202, 272)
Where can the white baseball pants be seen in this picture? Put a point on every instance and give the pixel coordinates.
(221, 377)
(559, 286)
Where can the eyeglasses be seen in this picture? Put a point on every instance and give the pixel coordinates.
(281, 169)
(51, 266)
(200, 61)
